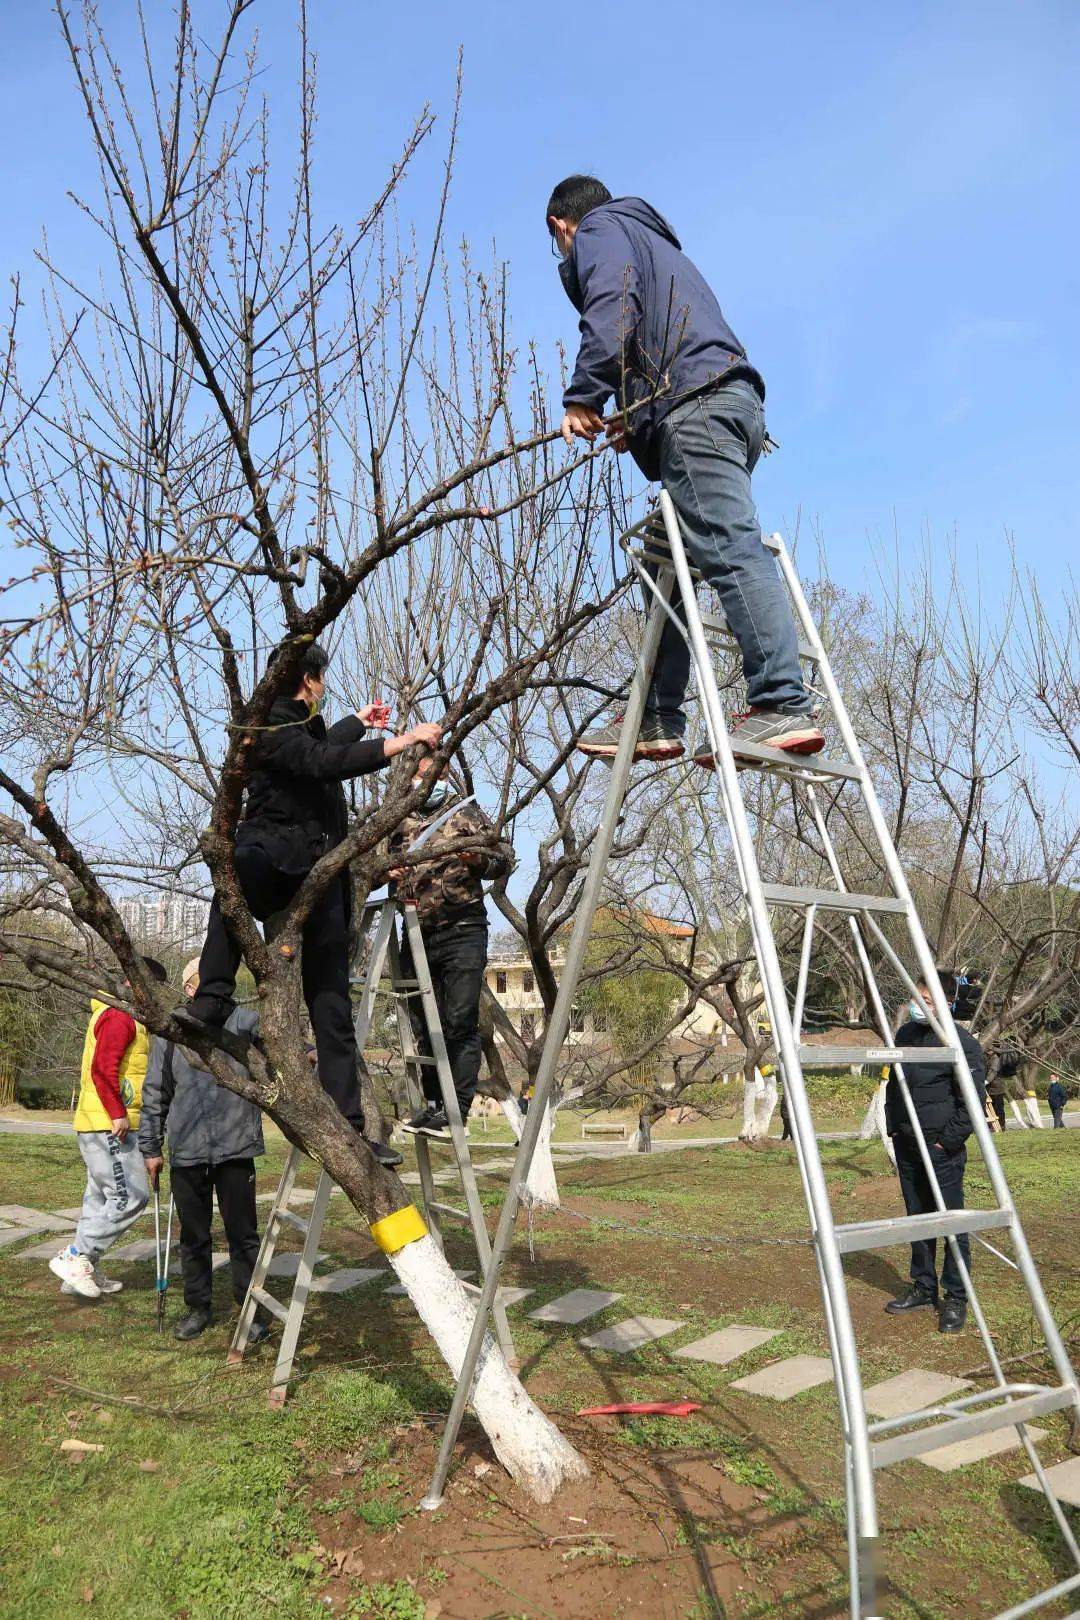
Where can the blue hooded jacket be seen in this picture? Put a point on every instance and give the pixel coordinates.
(652, 331)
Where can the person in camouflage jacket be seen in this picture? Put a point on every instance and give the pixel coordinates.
(447, 891)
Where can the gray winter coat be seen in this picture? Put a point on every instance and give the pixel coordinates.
(204, 1122)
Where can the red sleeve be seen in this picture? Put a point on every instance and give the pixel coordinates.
(115, 1033)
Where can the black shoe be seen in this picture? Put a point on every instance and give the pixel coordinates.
(191, 1325)
(953, 1316)
(913, 1300)
(418, 1121)
(387, 1156)
(258, 1333)
(437, 1122)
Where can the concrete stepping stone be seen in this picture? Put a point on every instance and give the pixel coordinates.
(506, 1296)
(910, 1392)
(287, 1265)
(399, 1288)
(36, 1251)
(727, 1345)
(17, 1234)
(37, 1220)
(981, 1446)
(69, 1214)
(630, 1335)
(338, 1282)
(784, 1379)
(574, 1307)
(1064, 1479)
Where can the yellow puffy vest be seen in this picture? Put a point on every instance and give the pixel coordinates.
(90, 1112)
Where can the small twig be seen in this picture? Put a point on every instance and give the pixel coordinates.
(130, 1401)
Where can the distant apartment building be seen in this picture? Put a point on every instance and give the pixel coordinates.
(177, 920)
(511, 979)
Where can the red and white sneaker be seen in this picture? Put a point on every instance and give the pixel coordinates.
(107, 1285)
(655, 740)
(790, 731)
(77, 1270)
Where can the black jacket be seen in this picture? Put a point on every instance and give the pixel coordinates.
(651, 328)
(941, 1109)
(296, 807)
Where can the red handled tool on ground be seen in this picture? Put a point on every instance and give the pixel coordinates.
(643, 1409)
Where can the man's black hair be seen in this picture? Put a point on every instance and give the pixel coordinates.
(575, 197)
(313, 662)
(948, 983)
(155, 969)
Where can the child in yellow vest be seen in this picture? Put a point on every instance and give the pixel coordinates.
(114, 1061)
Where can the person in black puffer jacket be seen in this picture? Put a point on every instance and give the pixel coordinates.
(946, 1125)
(296, 812)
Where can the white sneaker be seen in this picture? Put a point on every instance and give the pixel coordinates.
(77, 1270)
(106, 1285)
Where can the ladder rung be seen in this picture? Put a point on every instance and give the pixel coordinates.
(716, 628)
(855, 1236)
(965, 1425)
(450, 1209)
(418, 1057)
(269, 1303)
(293, 1219)
(786, 894)
(840, 1057)
(780, 759)
(1041, 1599)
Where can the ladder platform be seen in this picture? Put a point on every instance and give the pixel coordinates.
(843, 1057)
(269, 1303)
(855, 1236)
(965, 1425)
(785, 759)
(789, 894)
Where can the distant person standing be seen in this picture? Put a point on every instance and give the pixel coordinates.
(946, 1125)
(214, 1138)
(114, 1061)
(1056, 1096)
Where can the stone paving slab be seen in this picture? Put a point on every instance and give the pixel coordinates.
(506, 1296)
(69, 1214)
(13, 1234)
(1064, 1478)
(36, 1251)
(964, 1452)
(727, 1345)
(399, 1288)
(630, 1335)
(337, 1282)
(910, 1392)
(287, 1265)
(574, 1307)
(38, 1220)
(784, 1379)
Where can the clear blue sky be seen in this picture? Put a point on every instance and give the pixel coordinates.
(881, 195)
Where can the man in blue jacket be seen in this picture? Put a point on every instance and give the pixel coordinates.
(946, 1125)
(653, 335)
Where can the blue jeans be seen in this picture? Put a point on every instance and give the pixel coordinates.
(708, 448)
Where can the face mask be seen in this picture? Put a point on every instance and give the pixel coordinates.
(918, 1011)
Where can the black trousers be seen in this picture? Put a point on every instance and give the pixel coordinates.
(918, 1200)
(1058, 1117)
(324, 971)
(998, 1105)
(457, 956)
(193, 1187)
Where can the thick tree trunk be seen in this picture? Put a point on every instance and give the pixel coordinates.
(527, 1443)
(760, 1093)
(874, 1121)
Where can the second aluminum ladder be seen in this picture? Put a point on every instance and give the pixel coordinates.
(656, 548)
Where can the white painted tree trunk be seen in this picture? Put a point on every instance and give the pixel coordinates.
(1021, 1118)
(527, 1443)
(541, 1190)
(759, 1105)
(1031, 1108)
(874, 1121)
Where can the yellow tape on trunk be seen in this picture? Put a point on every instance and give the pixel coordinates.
(393, 1232)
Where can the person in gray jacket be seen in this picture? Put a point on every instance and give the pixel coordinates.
(214, 1138)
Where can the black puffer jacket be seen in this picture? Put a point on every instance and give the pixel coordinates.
(941, 1109)
(296, 807)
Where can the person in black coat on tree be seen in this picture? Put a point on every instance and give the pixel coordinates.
(296, 812)
(946, 1125)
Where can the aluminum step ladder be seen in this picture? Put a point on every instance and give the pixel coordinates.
(655, 547)
(384, 957)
